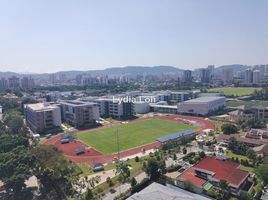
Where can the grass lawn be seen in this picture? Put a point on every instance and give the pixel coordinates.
(236, 91)
(230, 154)
(245, 168)
(247, 103)
(131, 135)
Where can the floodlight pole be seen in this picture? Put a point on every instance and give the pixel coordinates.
(117, 141)
(118, 154)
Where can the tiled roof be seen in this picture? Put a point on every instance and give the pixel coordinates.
(189, 175)
(223, 170)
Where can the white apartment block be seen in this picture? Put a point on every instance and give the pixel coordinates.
(42, 116)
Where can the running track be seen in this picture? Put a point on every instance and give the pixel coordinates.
(92, 156)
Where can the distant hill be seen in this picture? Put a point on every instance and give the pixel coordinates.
(8, 74)
(236, 68)
(128, 70)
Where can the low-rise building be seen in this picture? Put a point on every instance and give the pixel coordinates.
(247, 141)
(79, 114)
(211, 170)
(244, 113)
(202, 105)
(113, 107)
(41, 117)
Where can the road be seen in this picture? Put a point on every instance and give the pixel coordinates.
(124, 187)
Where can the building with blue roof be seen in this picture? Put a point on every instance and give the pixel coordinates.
(176, 136)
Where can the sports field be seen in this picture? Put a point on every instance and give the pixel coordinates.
(131, 135)
(235, 91)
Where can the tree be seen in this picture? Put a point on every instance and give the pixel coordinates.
(184, 150)
(137, 159)
(123, 170)
(93, 181)
(109, 181)
(154, 169)
(15, 124)
(56, 176)
(225, 194)
(89, 194)
(262, 172)
(228, 128)
(223, 185)
(251, 154)
(202, 154)
(133, 182)
(15, 169)
(174, 156)
(10, 142)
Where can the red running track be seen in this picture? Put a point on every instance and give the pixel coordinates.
(92, 156)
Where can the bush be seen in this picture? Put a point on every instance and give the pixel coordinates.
(173, 168)
(184, 150)
(112, 191)
(137, 159)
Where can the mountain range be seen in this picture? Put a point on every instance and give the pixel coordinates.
(128, 70)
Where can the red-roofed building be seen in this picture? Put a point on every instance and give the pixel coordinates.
(212, 170)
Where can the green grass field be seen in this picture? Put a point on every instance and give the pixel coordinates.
(250, 103)
(131, 135)
(235, 91)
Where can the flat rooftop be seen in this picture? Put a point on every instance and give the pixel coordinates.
(155, 191)
(41, 106)
(76, 103)
(204, 99)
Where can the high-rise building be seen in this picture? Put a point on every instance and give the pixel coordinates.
(187, 76)
(13, 82)
(248, 77)
(62, 78)
(3, 84)
(228, 76)
(205, 75)
(27, 83)
(53, 78)
(78, 79)
(211, 69)
(256, 77)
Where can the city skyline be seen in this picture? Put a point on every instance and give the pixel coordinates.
(47, 37)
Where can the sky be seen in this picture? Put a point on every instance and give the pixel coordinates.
(53, 35)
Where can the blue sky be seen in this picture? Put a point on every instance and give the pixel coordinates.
(53, 35)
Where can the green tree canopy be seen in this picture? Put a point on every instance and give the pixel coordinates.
(154, 168)
(228, 128)
(55, 174)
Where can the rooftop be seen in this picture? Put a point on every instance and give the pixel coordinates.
(175, 136)
(76, 103)
(223, 138)
(163, 106)
(204, 99)
(189, 175)
(41, 106)
(156, 191)
(222, 170)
